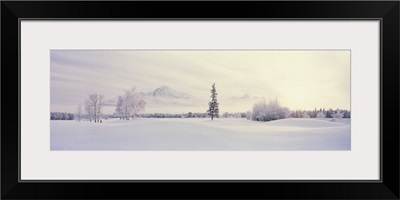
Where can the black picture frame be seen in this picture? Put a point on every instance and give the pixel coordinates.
(386, 11)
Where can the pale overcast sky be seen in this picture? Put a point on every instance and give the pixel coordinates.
(299, 79)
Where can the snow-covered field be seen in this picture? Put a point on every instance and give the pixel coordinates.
(201, 135)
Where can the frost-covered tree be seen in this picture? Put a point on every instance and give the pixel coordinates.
(248, 115)
(70, 116)
(100, 104)
(346, 114)
(65, 116)
(93, 102)
(263, 111)
(89, 109)
(305, 115)
(135, 102)
(79, 112)
(130, 104)
(337, 115)
(314, 113)
(321, 115)
(237, 115)
(119, 110)
(329, 113)
(213, 110)
(93, 106)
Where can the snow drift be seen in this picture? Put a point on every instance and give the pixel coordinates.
(190, 134)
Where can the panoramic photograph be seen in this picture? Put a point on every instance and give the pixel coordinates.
(200, 100)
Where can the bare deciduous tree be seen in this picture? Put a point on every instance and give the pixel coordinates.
(119, 110)
(79, 112)
(88, 106)
(93, 106)
(138, 105)
(93, 99)
(100, 104)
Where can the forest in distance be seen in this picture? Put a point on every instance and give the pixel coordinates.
(326, 113)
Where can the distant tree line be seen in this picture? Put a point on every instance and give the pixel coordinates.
(234, 115)
(130, 104)
(72, 116)
(167, 115)
(272, 110)
(321, 113)
(61, 116)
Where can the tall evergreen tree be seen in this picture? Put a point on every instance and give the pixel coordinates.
(213, 110)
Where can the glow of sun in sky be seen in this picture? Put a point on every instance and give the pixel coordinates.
(300, 79)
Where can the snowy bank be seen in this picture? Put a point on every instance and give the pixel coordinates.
(190, 134)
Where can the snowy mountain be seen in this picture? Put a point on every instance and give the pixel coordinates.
(165, 96)
(167, 92)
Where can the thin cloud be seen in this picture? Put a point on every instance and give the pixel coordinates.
(299, 79)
